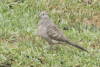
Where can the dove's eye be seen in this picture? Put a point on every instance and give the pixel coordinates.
(43, 14)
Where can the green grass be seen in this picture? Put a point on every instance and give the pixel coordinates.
(20, 45)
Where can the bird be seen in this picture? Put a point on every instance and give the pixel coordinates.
(49, 31)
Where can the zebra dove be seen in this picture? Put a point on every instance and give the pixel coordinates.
(51, 33)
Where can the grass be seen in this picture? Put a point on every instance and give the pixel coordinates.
(20, 45)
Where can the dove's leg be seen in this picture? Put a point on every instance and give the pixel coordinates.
(51, 46)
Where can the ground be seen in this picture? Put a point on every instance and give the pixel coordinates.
(20, 45)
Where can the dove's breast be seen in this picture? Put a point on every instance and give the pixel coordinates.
(42, 31)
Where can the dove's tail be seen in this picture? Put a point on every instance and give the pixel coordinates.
(75, 45)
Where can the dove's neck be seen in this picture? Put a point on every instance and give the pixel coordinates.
(45, 18)
(45, 21)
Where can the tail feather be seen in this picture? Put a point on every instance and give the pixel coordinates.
(75, 45)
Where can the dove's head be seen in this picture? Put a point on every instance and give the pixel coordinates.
(43, 15)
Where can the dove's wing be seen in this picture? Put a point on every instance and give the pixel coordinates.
(54, 33)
